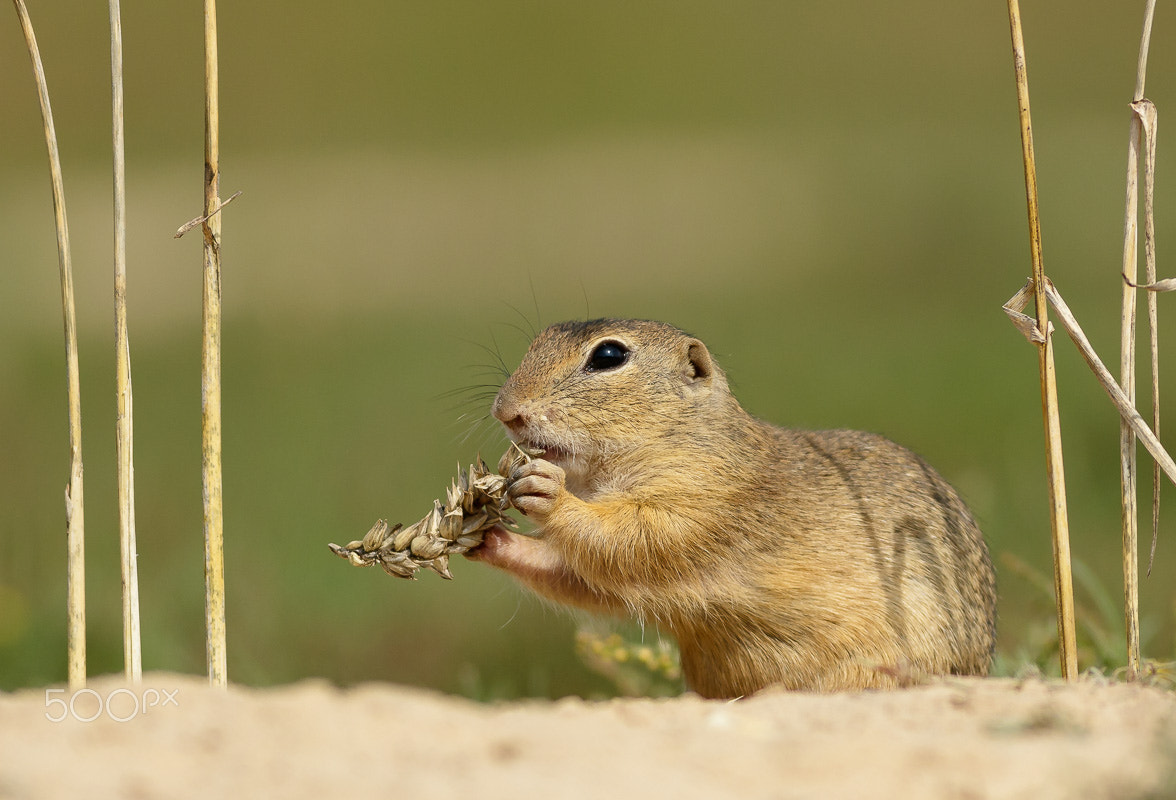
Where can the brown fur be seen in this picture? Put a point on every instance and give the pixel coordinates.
(819, 560)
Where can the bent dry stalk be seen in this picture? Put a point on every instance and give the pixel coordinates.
(475, 502)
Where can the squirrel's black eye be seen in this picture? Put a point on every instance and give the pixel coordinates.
(606, 356)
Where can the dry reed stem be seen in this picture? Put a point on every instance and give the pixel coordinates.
(74, 502)
(1127, 450)
(1063, 578)
(132, 650)
(1117, 396)
(210, 384)
(1149, 14)
(198, 221)
(1128, 488)
(1166, 285)
(1146, 110)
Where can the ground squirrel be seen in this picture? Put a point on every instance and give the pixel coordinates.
(818, 560)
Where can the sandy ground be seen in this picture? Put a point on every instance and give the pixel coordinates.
(177, 738)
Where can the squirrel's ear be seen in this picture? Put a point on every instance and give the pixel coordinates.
(699, 366)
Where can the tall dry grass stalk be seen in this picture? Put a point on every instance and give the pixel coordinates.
(1133, 428)
(1141, 135)
(1063, 578)
(214, 562)
(132, 649)
(74, 505)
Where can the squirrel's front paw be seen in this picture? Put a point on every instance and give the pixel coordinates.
(534, 486)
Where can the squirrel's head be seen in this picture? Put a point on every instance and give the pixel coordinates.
(590, 391)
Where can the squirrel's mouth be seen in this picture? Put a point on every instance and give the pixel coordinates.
(556, 455)
(571, 462)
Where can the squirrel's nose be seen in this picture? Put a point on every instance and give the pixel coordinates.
(507, 412)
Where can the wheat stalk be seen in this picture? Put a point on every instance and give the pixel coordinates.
(475, 502)
(210, 379)
(132, 648)
(1140, 129)
(74, 506)
(1063, 578)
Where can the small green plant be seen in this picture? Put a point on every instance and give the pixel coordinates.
(637, 668)
(1102, 641)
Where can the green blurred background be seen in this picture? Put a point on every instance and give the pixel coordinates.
(830, 195)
